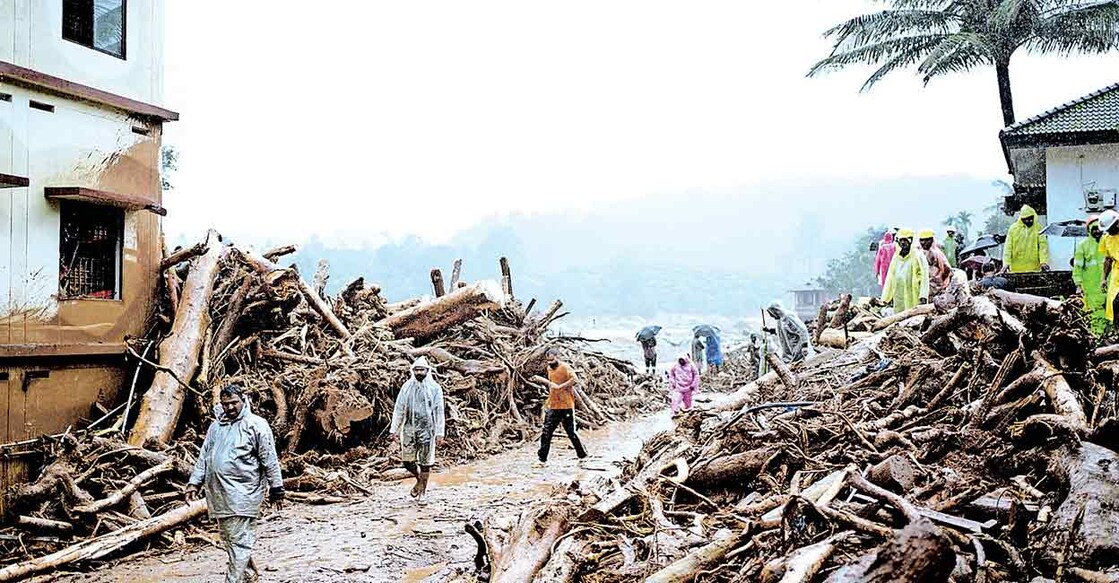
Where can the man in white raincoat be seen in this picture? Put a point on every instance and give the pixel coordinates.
(792, 334)
(418, 422)
(237, 465)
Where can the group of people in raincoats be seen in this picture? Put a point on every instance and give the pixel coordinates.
(1093, 270)
(910, 275)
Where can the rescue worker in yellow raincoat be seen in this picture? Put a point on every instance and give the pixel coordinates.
(1109, 247)
(907, 281)
(1087, 272)
(1026, 248)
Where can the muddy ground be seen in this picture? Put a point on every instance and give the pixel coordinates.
(387, 537)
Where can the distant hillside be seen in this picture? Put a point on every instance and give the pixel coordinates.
(703, 252)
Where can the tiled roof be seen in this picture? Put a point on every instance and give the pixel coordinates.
(1096, 112)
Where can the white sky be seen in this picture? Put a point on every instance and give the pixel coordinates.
(357, 120)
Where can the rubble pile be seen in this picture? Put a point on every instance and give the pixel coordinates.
(973, 440)
(323, 371)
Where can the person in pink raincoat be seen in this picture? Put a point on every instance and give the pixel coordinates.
(683, 382)
(886, 249)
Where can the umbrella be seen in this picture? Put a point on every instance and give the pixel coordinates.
(977, 262)
(648, 332)
(706, 330)
(983, 243)
(1073, 228)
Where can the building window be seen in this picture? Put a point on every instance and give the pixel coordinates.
(97, 24)
(90, 251)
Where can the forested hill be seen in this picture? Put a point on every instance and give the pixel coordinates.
(700, 252)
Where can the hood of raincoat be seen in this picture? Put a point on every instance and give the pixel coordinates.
(926, 234)
(776, 310)
(219, 413)
(905, 233)
(1026, 212)
(888, 237)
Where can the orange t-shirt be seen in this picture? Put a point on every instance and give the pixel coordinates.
(561, 398)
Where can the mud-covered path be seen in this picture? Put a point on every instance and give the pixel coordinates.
(387, 537)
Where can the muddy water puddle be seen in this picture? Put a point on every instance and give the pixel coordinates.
(387, 536)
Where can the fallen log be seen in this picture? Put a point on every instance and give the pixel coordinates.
(921, 310)
(106, 544)
(687, 568)
(163, 402)
(919, 553)
(1087, 520)
(517, 555)
(428, 320)
(839, 320)
(802, 564)
(1061, 395)
(44, 524)
(734, 467)
(833, 338)
(787, 377)
(133, 485)
(182, 255)
(264, 266)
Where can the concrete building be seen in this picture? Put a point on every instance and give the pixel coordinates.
(1065, 163)
(80, 205)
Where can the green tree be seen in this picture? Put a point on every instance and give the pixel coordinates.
(952, 36)
(962, 222)
(853, 272)
(168, 163)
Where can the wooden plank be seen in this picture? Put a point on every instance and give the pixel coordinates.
(116, 199)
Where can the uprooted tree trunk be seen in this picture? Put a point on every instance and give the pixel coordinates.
(178, 353)
(688, 567)
(428, 320)
(1087, 521)
(919, 553)
(518, 554)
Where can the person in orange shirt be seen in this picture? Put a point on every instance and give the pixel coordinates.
(560, 407)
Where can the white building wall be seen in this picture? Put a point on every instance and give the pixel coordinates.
(1068, 171)
(31, 37)
(72, 146)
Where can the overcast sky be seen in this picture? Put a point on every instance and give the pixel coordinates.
(360, 120)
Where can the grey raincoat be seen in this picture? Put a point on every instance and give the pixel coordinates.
(792, 335)
(238, 465)
(419, 407)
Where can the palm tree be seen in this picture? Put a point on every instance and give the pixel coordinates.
(962, 222)
(950, 36)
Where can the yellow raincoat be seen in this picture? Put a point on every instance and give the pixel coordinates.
(908, 280)
(1026, 248)
(1109, 247)
(1087, 272)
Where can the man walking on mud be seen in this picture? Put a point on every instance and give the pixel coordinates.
(237, 465)
(560, 408)
(419, 423)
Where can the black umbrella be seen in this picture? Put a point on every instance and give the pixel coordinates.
(1072, 228)
(706, 330)
(648, 332)
(983, 243)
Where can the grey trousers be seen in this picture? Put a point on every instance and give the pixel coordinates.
(238, 536)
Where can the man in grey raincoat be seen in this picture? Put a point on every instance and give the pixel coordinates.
(792, 334)
(237, 466)
(418, 422)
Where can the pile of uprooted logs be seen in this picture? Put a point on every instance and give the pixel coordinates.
(973, 440)
(322, 370)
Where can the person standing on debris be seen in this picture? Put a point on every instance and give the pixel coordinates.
(714, 354)
(940, 272)
(792, 334)
(951, 247)
(237, 465)
(1087, 272)
(907, 283)
(649, 349)
(684, 382)
(698, 351)
(560, 408)
(419, 423)
(886, 250)
(1109, 247)
(1026, 248)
